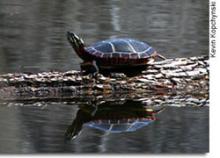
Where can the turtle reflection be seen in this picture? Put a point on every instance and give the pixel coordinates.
(112, 117)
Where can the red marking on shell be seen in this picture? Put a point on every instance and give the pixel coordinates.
(125, 56)
(134, 56)
(106, 55)
(115, 55)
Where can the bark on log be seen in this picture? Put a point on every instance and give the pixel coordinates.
(188, 76)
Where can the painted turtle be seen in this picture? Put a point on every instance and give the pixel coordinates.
(118, 53)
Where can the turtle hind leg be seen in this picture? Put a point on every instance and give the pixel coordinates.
(156, 55)
(161, 56)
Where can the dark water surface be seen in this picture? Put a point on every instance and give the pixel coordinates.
(35, 128)
(33, 32)
(33, 39)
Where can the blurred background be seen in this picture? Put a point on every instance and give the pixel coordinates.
(33, 32)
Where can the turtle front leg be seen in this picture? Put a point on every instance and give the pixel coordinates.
(88, 67)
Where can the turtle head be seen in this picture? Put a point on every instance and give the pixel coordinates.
(76, 42)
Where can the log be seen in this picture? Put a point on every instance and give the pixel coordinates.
(170, 77)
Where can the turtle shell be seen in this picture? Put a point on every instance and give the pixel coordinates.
(120, 126)
(121, 51)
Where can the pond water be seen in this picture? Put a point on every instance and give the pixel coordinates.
(41, 128)
(33, 39)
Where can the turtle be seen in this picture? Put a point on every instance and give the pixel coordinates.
(113, 54)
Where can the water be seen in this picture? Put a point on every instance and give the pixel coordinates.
(33, 33)
(40, 128)
(33, 39)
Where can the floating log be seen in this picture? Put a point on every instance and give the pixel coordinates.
(189, 76)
